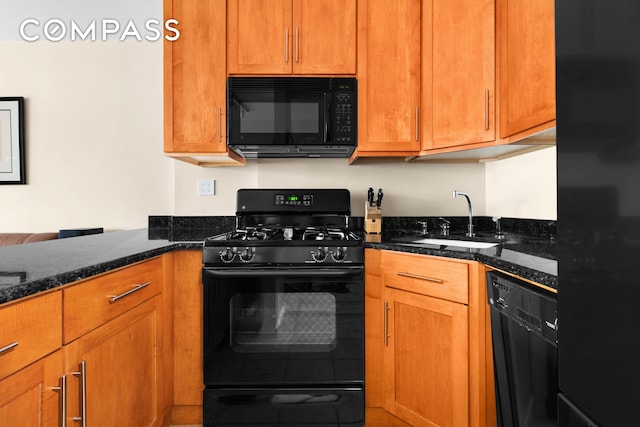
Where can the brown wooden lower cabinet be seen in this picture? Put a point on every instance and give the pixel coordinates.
(117, 366)
(31, 396)
(426, 348)
(106, 341)
(426, 375)
(117, 342)
(187, 341)
(30, 361)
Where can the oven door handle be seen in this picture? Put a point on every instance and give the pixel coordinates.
(285, 272)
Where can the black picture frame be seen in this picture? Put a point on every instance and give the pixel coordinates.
(12, 152)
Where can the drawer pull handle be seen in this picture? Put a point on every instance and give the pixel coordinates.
(136, 288)
(415, 276)
(8, 347)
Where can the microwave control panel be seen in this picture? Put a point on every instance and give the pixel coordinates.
(344, 111)
(345, 119)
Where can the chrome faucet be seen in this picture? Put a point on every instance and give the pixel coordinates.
(470, 232)
(444, 226)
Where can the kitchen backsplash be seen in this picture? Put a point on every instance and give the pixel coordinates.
(196, 228)
(188, 228)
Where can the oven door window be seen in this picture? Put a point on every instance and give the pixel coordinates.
(274, 321)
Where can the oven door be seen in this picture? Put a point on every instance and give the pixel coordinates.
(283, 327)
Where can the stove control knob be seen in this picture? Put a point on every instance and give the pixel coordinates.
(227, 255)
(340, 253)
(247, 255)
(319, 255)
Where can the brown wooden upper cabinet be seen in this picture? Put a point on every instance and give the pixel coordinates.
(389, 97)
(458, 55)
(426, 75)
(526, 67)
(291, 36)
(195, 84)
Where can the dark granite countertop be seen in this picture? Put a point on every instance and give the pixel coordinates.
(530, 257)
(35, 267)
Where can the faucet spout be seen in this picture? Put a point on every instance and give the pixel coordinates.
(470, 232)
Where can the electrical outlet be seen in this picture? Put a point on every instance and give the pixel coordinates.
(206, 187)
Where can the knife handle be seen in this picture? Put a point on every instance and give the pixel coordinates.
(379, 200)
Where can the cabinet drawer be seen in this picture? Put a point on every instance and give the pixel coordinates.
(426, 275)
(89, 304)
(29, 330)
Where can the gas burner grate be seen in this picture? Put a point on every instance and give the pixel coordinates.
(288, 233)
(315, 233)
(251, 233)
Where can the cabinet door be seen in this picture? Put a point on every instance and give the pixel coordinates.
(121, 370)
(260, 37)
(324, 36)
(458, 63)
(31, 396)
(187, 312)
(373, 303)
(426, 360)
(388, 77)
(195, 78)
(526, 50)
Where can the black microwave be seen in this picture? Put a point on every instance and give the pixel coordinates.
(292, 116)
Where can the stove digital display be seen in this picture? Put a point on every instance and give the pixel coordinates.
(294, 200)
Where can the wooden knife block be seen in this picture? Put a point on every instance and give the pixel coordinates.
(372, 219)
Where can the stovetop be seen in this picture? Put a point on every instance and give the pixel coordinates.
(289, 227)
(284, 235)
(285, 246)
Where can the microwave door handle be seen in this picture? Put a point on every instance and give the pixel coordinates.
(327, 118)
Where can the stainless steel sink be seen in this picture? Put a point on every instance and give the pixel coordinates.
(472, 244)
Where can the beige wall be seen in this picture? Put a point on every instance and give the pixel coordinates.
(94, 153)
(93, 135)
(523, 186)
(409, 189)
(519, 187)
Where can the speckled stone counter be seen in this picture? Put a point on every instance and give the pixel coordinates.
(35, 267)
(530, 257)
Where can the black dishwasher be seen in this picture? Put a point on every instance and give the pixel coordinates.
(525, 356)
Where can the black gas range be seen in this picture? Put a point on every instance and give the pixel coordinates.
(283, 228)
(283, 313)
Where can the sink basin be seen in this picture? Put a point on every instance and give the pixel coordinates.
(452, 242)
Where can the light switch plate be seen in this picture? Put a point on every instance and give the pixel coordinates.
(206, 187)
